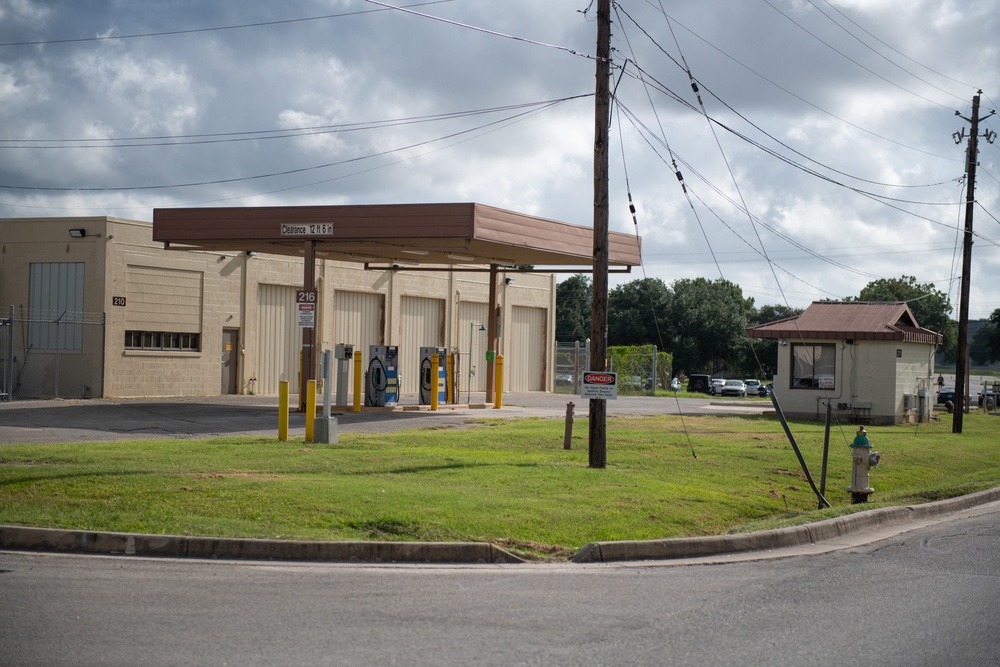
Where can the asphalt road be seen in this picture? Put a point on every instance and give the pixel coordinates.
(926, 597)
(212, 416)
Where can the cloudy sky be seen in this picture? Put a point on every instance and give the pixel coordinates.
(826, 159)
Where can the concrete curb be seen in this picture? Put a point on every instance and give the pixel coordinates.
(176, 546)
(606, 552)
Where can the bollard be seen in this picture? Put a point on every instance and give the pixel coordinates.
(357, 381)
(311, 410)
(283, 410)
(568, 437)
(435, 381)
(498, 403)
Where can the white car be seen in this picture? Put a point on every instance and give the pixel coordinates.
(716, 386)
(675, 385)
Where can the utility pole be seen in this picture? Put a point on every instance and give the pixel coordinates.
(599, 312)
(962, 359)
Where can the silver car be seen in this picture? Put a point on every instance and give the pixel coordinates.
(734, 388)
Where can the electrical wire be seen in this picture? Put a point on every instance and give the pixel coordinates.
(106, 38)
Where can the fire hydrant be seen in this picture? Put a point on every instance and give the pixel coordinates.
(864, 460)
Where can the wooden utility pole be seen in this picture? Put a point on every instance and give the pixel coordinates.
(962, 359)
(599, 313)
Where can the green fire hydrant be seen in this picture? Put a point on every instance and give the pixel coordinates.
(864, 460)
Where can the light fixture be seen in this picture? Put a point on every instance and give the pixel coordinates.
(78, 233)
(509, 281)
(251, 253)
(417, 252)
(460, 258)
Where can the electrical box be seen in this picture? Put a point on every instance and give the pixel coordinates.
(344, 354)
(432, 379)
(382, 378)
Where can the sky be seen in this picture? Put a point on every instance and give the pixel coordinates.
(819, 154)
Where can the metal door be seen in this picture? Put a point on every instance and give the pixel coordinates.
(230, 360)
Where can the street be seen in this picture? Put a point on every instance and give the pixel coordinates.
(925, 597)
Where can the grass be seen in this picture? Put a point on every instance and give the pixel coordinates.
(507, 482)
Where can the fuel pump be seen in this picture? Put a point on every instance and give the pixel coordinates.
(382, 378)
(432, 379)
(864, 459)
(344, 354)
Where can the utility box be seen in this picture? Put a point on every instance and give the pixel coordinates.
(343, 353)
(382, 378)
(433, 379)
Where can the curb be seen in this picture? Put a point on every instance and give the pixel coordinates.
(176, 546)
(606, 552)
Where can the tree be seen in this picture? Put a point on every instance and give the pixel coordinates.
(985, 345)
(930, 306)
(636, 312)
(574, 299)
(706, 323)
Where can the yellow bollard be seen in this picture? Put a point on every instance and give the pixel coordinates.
(449, 369)
(283, 410)
(498, 403)
(357, 381)
(311, 410)
(435, 380)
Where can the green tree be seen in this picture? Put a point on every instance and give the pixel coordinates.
(985, 344)
(636, 311)
(707, 324)
(930, 306)
(574, 303)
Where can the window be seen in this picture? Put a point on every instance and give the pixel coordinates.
(813, 366)
(162, 340)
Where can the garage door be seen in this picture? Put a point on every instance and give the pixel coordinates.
(279, 339)
(525, 369)
(422, 325)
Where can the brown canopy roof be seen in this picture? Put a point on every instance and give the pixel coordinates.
(464, 233)
(859, 320)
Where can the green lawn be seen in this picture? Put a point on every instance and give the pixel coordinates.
(507, 482)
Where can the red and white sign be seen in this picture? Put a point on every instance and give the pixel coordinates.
(600, 385)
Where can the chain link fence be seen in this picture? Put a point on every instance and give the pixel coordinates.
(49, 354)
(642, 370)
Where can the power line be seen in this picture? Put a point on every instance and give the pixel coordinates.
(106, 38)
(285, 172)
(258, 135)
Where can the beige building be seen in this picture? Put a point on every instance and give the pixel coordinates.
(94, 307)
(871, 362)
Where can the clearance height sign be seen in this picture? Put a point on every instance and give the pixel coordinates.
(600, 385)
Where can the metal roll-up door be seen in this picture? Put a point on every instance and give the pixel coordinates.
(525, 369)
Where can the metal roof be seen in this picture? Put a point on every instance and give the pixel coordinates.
(858, 320)
(462, 233)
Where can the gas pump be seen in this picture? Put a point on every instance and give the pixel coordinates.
(432, 380)
(382, 378)
(344, 354)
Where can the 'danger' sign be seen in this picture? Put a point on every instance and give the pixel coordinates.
(600, 385)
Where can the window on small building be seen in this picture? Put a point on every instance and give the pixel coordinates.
(813, 366)
(162, 340)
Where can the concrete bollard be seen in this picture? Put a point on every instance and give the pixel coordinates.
(568, 437)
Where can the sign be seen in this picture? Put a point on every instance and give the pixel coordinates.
(307, 316)
(600, 385)
(305, 296)
(118, 301)
(307, 229)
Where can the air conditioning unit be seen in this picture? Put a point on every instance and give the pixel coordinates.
(909, 401)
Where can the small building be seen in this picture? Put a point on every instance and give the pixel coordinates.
(100, 309)
(871, 361)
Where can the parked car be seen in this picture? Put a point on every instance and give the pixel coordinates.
(987, 394)
(733, 388)
(946, 394)
(565, 380)
(753, 387)
(675, 385)
(699, 383)
(716, 386)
